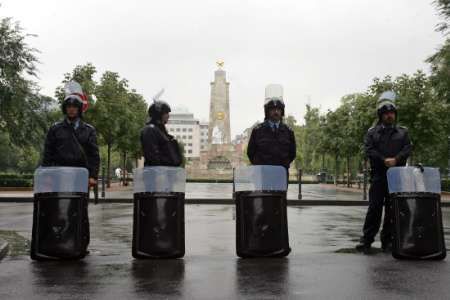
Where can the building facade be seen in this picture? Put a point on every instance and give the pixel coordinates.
(187, 130)
(204, 129)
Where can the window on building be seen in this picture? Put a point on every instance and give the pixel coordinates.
(190, 137)
(190, 129)
(189, 144)
(184, 129)
(190, 151)
(178, 129)
(184, 137)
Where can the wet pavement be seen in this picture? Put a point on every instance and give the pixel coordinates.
(204, 191)
(322, 264)
(225, 190)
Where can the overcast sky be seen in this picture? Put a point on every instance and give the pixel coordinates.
(318, 50)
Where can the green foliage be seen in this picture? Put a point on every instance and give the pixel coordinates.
(339, 134)
(21, 105)
(133, 119)
(118, 114)
(110, 108)
(16, 180)
(15, 158)
(16, 183)
(24, 113)
(309, 138)
(445, 185)
(443, 7)
(6, 176)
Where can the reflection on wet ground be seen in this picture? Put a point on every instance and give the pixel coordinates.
(319, 265)
(224, 191)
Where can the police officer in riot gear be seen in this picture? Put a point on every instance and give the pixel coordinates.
(386, 145)
(272, 142)
(158, 218)
(261, 223)
(72, 142)
(160, 148)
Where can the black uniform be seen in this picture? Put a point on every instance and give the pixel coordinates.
(272, 146)
(380, 143)
(160, 148)
(70, 147)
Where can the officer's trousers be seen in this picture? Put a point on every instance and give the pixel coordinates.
(378, 197)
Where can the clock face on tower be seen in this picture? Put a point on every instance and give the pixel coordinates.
(220, 116)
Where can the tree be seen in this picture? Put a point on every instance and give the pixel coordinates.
(22, 109)
(108, 112)
(310, 139)
(132, 120)
(440, 71)
(443, 7)
(298, 130)
(423, 112)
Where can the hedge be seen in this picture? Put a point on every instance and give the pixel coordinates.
(16, 176)
(26, 180)
(445, 185)
(16, 182)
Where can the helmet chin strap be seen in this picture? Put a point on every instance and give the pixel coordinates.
(74, 118)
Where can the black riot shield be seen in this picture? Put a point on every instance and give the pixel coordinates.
(261, 212)
(417, 219)
(60, 215)
(158, 218)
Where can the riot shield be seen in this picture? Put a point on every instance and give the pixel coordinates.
(158, 218)
(261, 212)
(417, 219)
(60, 217)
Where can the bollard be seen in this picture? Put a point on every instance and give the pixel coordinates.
(299, 175)
(365, 181)
(448, 174)
(103, 182)
(234, 188)
(96, 193)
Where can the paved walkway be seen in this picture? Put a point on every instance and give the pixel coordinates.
(224, 190)
(322, 264)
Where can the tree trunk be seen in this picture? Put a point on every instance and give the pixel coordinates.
(124, 168)
(348, 171)
(336, 171)
(108, 168)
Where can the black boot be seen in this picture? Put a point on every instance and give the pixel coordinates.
(386, 247)
(364, 247)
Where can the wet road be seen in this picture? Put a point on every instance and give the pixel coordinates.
(224, 190)
(210, 270)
